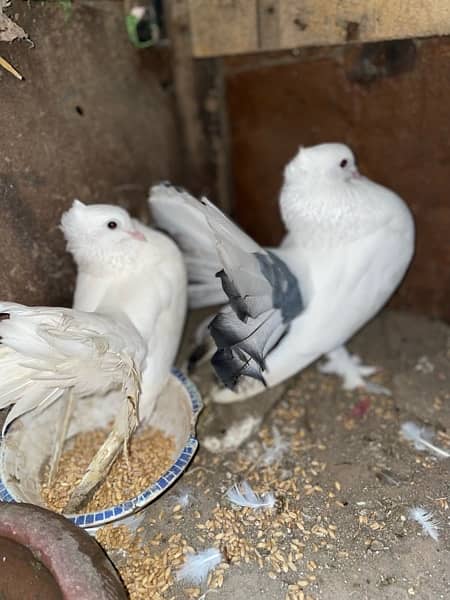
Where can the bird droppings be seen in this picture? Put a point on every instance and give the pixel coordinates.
(150, 453)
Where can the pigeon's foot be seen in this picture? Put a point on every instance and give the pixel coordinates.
(349, 367)
(246, 388)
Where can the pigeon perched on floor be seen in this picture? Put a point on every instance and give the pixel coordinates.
(122, 334)
(349, 242)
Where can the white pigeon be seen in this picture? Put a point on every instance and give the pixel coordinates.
(123, 264)
(122, 334)
(348, 245)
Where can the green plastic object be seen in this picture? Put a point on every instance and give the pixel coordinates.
(142, 33)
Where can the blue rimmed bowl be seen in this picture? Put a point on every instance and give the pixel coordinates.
(28, 443)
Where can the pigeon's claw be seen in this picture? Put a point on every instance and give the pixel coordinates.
(350, 368)
(363, 370)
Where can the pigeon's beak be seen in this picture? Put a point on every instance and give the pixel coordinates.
(137, 235)
(355, 174)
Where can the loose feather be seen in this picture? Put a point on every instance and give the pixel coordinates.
(184, 498)
(197, 566)
(421, 437)
(274, 453)
(426, 520)
(243, 495)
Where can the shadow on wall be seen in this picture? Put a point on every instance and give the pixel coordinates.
(94, 118)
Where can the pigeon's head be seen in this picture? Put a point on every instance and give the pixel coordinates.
(100, 234)
(332, 162)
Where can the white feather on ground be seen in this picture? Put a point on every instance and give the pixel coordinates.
(184, 498)
(243, 495)
(421, 437)
(274, 453)
(198, 566)
(426, 520)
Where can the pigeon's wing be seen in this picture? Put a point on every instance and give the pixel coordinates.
(264, 297)
(46, 351)
(176, 212)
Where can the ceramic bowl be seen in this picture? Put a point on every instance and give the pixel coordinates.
(28, 442)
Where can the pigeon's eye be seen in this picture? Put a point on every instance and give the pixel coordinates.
(112, 225)
(343, 163)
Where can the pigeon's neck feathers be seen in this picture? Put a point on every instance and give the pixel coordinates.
(105, 261)
(326, 212)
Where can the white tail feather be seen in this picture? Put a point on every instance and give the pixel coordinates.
(48, 350)
(193, 234)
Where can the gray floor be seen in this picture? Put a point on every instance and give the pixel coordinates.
(344, 485)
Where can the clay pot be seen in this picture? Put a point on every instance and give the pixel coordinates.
(43, 556)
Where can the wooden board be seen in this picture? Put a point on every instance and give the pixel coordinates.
(221, 27)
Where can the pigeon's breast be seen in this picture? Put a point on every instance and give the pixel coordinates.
(353, 283)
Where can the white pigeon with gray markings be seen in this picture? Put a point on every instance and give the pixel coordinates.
(348, 245)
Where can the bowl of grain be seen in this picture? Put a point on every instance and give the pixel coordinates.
(159, 452)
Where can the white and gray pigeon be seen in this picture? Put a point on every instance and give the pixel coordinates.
(121, 336)
(348, 245)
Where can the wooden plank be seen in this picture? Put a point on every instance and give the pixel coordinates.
(233, 27)
(325, 22)
(223, 27)
(268, 24)
(192, 137)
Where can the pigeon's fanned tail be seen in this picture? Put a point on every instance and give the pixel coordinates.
(224, 263)
(264, 297)
(176, 212)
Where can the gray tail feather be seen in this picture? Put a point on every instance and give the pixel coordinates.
(251, 326)
(231, 364)
(263, 294)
